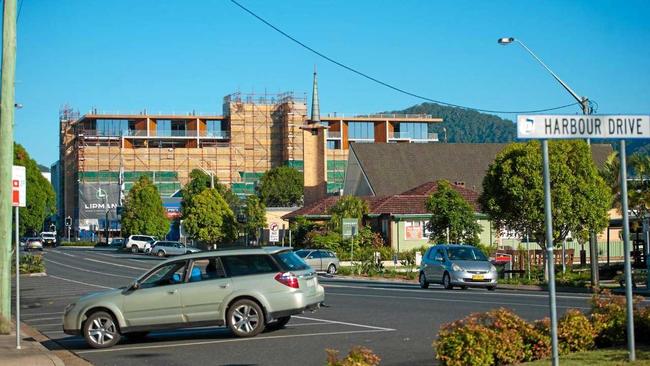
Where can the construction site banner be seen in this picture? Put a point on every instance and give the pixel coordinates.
(97, 198)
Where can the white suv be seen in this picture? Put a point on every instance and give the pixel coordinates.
(139, 243)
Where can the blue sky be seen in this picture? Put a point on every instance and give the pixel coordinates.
(179, 56)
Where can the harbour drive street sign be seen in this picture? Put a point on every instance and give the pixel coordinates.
(583, 126)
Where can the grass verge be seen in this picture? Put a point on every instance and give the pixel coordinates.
(601, 357)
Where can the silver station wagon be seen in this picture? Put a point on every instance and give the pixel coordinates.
(246, 290)
(457, 265)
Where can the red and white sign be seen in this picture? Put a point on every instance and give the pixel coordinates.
(274, 233)
(18, 186)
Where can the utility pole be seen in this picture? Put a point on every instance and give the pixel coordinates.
(7, 103)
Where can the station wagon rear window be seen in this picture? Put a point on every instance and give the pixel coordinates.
(290, 261)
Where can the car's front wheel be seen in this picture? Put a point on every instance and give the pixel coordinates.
(446, 281)
(245, 318)
(331, 269)
(423, 280)
(100, 330)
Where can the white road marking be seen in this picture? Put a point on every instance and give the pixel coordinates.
(586, 297)
(83, 283)
(173, 345)
(302, 324)
(41, 319)
(22, 314)
(455, 300)
(115, 264)
(60, 252)
(88, 270)
(344, 323)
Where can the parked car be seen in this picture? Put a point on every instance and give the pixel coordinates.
(164, 248)
(457, 265)
(48, 238)
(33, 244)
(246, 290)
(139, 243)
(320, 259)
(116, 243)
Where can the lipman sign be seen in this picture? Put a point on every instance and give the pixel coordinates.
(583, 126)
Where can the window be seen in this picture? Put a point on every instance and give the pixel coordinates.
(215, 128)
(466, 254)
(334, 144)
(361, 131)
(412, 130)
(302, 253)
(210, 268)
(315, 255)
(163, 127)
(243, 265)
(432, 254)
(290, 261)
(178, 128)
(113, 127)
(168, 274)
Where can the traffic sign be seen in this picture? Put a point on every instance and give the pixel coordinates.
(18, 186)
(349, 227)
(583, 126)
(274, 233)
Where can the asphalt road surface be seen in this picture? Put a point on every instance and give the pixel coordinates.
(399, 322)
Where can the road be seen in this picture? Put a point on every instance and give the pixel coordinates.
(397, 321)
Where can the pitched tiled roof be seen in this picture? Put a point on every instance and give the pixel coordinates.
(394, 168)
(412, 201)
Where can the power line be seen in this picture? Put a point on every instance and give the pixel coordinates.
(386, 84)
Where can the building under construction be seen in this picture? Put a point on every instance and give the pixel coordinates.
(103, 154)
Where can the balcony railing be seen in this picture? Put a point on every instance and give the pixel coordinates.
(431, 136)
(215, 134)
(333, 134)
(380, 115)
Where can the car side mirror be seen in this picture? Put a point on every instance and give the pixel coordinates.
(310, 257)
(440, 259)
(135, 285)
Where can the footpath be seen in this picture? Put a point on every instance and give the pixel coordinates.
(32, 352)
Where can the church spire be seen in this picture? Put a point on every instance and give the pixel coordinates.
(315, 108)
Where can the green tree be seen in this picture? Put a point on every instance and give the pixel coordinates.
(346, 207)
(451, 212)
(209, 219)
(143, 211)
(40, 198)
(281, 187)
(199, 181)
(255, 215)
(513, 194)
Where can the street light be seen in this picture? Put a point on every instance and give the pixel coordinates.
(583, 101)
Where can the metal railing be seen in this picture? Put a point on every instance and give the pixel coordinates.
(380, 115)
(431, 136)
(333, 134)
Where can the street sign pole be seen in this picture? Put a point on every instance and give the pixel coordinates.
(17, 279)
(626, 254)
(549, 253)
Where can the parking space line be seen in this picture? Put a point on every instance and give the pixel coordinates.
(40, 319)
(82, 283)
(88, 270)
(455, 300)
(585, 297)
(345, 323)
(174, 345)
(115, 264)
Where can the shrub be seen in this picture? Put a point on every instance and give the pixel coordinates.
(575, 333)
(527, 344)
(642, 325)
(466, 342)
(358, 356)
(608, 318)
(29, 263)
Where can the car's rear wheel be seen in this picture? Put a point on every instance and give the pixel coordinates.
(160, 253)
(134, 249)
(100, 330)
(245, 318)
(446, 281)
(423, 280)
(491, 288)
(331, 269)
(463, 287)
(278, 323)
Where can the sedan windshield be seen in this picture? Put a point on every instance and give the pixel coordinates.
(302, 253)
(466, 254)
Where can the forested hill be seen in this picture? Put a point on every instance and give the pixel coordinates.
(470, 126)
(466, 125)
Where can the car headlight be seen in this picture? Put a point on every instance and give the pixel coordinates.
(493, 268)
(456, 267)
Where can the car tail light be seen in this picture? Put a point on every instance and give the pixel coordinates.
(287, 279)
